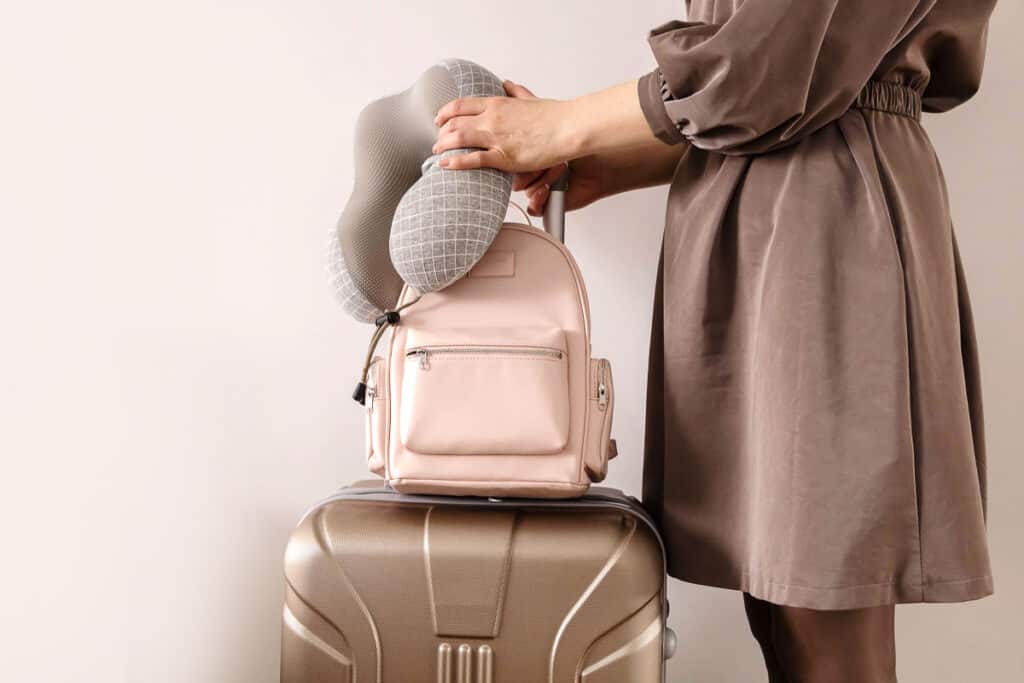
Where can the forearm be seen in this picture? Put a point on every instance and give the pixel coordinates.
(646, 164)
(610, 146)
(611, 122)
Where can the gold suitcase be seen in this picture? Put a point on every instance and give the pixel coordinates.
(390, 588)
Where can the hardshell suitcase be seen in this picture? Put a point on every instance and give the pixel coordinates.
(391, 588)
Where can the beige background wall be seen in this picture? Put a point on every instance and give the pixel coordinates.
(175, 377)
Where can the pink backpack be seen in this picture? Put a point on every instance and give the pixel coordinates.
(488, 387)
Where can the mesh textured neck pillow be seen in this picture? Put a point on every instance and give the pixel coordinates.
(408, 219)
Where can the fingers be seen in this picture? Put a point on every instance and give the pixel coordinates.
(518, 91)
(553, 174)
(538, 187)
(461, 130)
(462, 137)
(480, 159)
(521, 181)
(466, 106)
(537, 199)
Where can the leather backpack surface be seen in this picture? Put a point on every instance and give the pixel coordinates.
(488, 387)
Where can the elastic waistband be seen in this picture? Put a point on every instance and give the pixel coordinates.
(890, 97)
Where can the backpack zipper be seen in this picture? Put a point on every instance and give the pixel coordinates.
(423, 354)
(602, 387)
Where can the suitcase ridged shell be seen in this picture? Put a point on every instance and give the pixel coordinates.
(401, 589)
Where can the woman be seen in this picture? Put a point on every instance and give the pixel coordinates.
(814, 433)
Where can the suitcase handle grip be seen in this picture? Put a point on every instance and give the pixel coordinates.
(554, 211)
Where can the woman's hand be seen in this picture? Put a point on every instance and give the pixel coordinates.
(588, 182)
(520, 133)
(587, 178)
(599, 175)
(603, 135)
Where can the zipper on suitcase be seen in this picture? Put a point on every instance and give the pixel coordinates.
(424, 354)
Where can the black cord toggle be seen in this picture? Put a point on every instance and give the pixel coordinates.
(383, 321)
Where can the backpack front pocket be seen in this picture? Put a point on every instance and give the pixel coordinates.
(485, 392)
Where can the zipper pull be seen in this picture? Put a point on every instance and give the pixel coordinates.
(424, 360)
(383, 322)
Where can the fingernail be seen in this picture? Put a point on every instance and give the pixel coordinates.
(444, 162)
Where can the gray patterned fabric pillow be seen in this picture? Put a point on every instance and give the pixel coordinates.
(408, 219)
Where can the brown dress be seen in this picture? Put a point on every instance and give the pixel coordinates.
(814, 429)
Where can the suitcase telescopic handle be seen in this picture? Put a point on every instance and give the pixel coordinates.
(554, 212)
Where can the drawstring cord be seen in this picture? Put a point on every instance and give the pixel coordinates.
(391, 318)
(388, 319)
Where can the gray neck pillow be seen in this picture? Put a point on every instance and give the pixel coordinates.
(409, 220)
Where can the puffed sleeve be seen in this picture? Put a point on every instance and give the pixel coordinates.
(955, 51)
(775, 71)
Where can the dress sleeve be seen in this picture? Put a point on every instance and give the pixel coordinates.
(775, 71)
(955, 52)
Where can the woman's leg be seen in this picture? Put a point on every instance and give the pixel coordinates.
(818, 646)
(836, 646)
(759, 616)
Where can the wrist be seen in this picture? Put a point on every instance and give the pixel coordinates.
(577, 129)
(607, 121)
